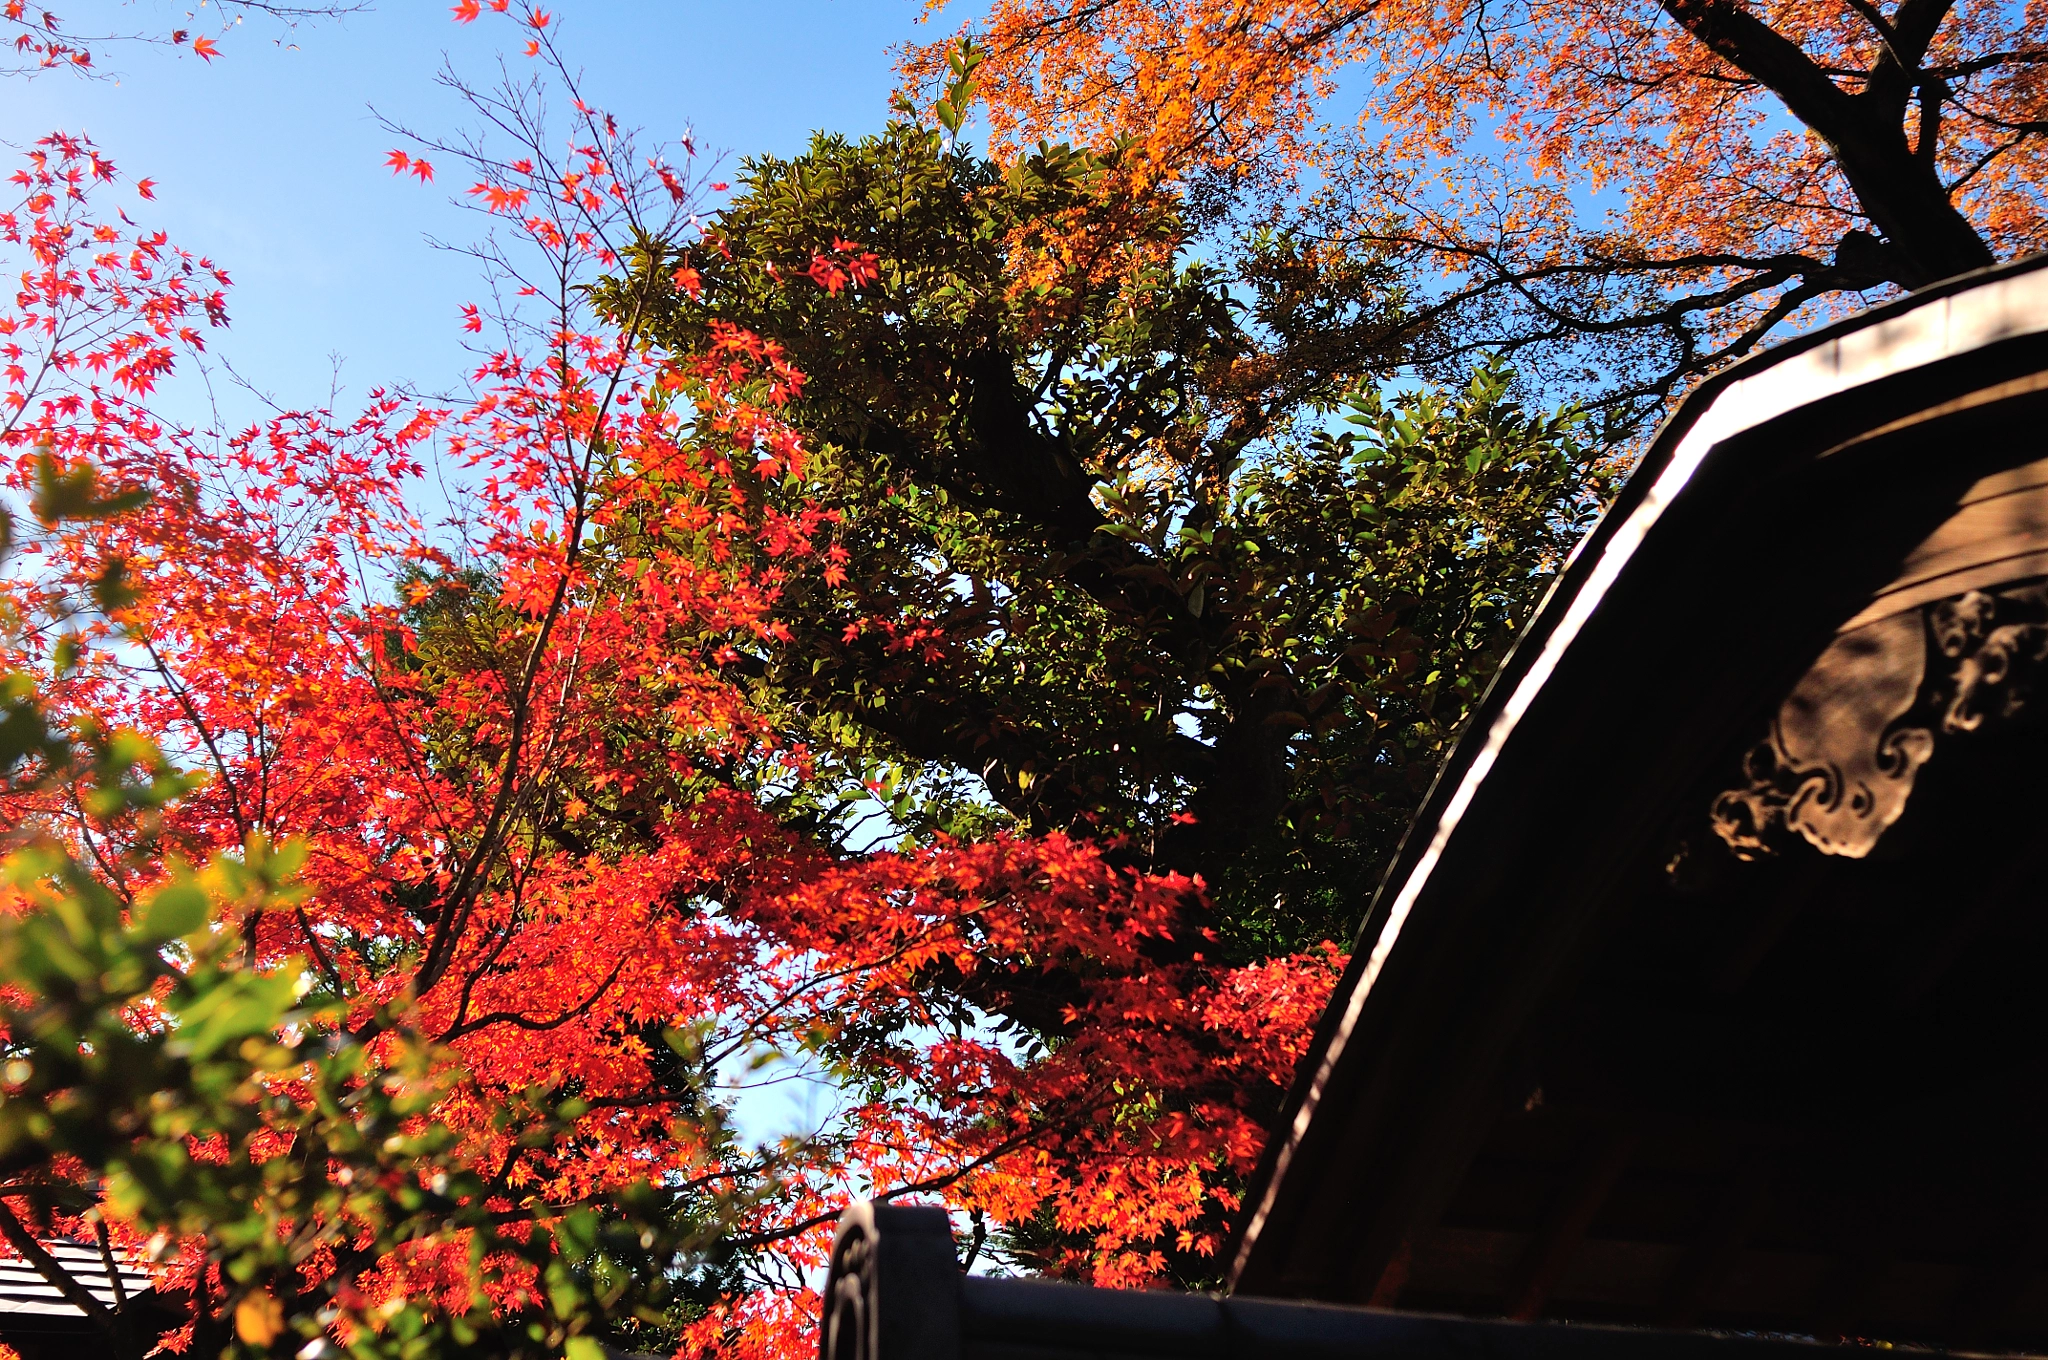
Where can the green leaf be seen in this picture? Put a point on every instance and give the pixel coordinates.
(176, 910)
(238, 1006)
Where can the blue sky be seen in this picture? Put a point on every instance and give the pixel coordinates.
(270, 160)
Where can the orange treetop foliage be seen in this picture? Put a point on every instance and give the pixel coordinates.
(1654, 185)
(532, 801)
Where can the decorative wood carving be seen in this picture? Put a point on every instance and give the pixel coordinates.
(893, 1289)
(1836, 768)
(1996, 642)
(844, 1333)
(1842, 754)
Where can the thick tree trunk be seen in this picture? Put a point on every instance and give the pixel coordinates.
(1924, 237)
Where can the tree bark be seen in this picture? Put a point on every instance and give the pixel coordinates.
(1924, 236)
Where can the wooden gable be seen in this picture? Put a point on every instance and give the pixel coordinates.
(1707, 989)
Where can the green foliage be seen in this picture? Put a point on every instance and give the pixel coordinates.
(951, 109)
(1394, 562)
(1110, 566)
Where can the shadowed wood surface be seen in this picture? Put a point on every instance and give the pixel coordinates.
(1716, 1001)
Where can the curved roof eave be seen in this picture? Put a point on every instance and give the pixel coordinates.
(1951, 319)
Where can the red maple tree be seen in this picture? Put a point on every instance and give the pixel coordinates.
(540, 881)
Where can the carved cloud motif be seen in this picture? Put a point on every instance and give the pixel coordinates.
(1836, 769)
(1842, 754)
(1996, 641)
(1956, 641)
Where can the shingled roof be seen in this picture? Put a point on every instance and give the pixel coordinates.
(24, 1290)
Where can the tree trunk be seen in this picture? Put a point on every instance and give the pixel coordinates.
(1925, 237)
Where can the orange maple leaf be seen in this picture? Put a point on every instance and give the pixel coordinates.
(467, 11)
(205, 47)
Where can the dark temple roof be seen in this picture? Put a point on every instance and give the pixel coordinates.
(1706, 989)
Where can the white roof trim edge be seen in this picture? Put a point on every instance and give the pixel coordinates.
(1938, 329)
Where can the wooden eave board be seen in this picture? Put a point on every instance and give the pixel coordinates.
(1795, 1094)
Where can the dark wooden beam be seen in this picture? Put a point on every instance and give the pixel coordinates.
(1728, 974)
(1966, 925)
(1386, 1292)
(1842, 1302)
(1737, 1209)
(1442, 1152)
(2006, 1263)
(1586, 1187)
(894, 1292)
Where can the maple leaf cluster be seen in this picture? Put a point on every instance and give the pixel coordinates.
(42, 41)
(1622, 194)
(486, 814)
